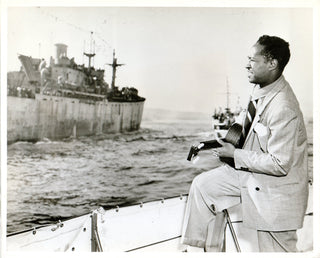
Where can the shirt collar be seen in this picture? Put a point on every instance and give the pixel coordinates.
(259, 92)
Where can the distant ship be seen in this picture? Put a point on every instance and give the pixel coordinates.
(66, 99)
(222, 120)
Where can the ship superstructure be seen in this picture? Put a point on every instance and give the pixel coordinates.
(63, 99)
(64, 77)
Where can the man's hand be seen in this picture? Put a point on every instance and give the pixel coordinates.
(227, 150)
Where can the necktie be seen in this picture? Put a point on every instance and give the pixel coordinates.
(249, 117)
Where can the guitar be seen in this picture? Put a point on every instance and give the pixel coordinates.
(233, 136)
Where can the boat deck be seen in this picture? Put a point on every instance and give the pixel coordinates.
(148, 227)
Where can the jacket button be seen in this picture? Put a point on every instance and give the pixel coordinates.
(257, 189)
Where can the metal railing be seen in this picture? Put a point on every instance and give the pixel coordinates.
(95, 239)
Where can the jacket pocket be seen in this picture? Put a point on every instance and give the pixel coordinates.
(262, 132)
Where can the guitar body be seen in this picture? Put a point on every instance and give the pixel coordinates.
(233, 136)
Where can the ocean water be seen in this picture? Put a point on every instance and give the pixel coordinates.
(49, 181)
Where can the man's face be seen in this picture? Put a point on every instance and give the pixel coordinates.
(258, 66)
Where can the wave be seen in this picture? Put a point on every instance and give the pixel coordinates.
(150, 182)
(123, 168)
(150, 152)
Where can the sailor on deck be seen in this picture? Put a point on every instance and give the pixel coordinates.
(270, 177)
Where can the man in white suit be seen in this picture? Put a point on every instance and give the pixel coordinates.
(270, 177)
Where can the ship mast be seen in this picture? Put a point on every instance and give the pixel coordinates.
(228, 95)
(91, 54)
(114, 66)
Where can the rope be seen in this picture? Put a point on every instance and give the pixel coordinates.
(154, 243)
(56, 19)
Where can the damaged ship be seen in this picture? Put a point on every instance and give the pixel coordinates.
(66, 99)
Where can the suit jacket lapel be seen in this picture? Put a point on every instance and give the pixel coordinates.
(261, 108)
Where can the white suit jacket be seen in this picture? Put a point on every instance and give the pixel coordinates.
(273, 163)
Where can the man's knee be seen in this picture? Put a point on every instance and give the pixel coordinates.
(219, 183)
(209, 177)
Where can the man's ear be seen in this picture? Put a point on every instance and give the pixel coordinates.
(273, 64)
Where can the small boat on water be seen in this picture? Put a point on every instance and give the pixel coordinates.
(146, 227)
(222, 120)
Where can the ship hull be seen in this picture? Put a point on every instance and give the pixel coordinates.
(55, 117)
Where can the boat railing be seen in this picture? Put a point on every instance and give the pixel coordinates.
(95, 239)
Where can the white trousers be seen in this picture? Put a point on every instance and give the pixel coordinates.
(220, 187)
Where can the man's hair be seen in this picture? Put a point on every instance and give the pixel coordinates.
(275, 48)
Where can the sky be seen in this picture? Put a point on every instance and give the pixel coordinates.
(179, 58)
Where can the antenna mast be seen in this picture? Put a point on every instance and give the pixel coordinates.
(91, 54)
(114, 66)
